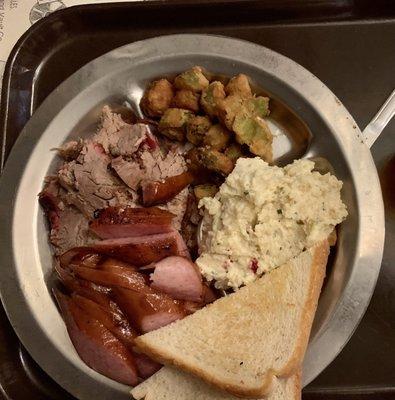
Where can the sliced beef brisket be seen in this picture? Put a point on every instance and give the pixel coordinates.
(68, 227)
(118, 137)
(89, 183)
(106, 171)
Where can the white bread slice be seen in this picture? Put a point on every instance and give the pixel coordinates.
(172, 384)
(242, 341)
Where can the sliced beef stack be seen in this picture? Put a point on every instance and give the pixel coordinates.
(108, 171)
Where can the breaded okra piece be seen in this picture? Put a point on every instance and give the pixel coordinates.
(217, 137)
(227, 109)
(254, 132)
(157, 98)
(215, 161)
(197, 127)
(257, 106)
(239, 85)
(210, 96)
(186, 99)
(173, 123)
(192, 79)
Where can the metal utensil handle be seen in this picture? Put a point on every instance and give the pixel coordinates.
(379, 121)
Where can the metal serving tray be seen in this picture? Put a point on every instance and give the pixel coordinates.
(43, 85)
(71, 111)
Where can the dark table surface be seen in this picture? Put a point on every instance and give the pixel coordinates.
(352, 54)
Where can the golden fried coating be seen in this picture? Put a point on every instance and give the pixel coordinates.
(234, 152)
(210, 96)
(186, 99)
(197, 127)
(233, 124)
(215, 161)
(257, 106)
(173, 123)
(239, 85)
(192, 79)
(217, 137)
(157, 98)
(227, 109)
(254, 132)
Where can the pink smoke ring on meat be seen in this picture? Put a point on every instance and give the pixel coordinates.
(179, 277)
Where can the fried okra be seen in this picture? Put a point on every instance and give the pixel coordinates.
(173, 123)
(195, 165)
(210, 96)
(234, 152)
(239, 85)
(255, 133)
(186, 99)
(206, 190)
(257, 106)
(217, 137)
(192, 79)
(215, 161)
(188, 108)
(197, 127)
(227, 109)
(157, 98)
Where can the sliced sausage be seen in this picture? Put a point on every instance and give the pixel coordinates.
(159, 192)
(146, 366)
(148, 310)
(118, 222)
(96, 345)
(138, 251)
(179, 277)
(84, 288)
(116, 323)
(124, 278)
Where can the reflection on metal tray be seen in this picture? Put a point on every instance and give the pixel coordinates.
(347, 87)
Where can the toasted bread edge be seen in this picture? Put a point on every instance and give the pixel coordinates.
(319, 261)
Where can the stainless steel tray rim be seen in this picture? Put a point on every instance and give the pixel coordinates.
(280, 67)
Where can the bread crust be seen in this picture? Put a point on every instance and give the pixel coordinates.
(320, 259)
(318, 268)
(297, 392)
(153, 389)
